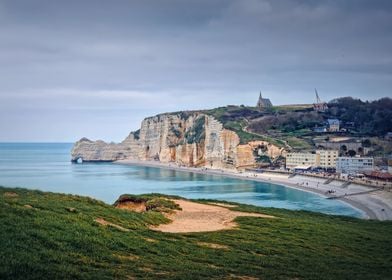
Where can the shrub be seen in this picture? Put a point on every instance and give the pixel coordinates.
(161, 205)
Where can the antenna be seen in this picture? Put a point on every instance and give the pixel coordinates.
(317, 97)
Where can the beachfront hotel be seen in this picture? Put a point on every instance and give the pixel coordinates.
(352, 165)
(320, 158)
(327, 158)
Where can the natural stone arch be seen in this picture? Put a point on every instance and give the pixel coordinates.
(78, 159)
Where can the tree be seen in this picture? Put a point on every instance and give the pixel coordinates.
(372, 118)
(366, 143)
(352, 153)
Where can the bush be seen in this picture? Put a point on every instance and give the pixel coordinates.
(161, 205)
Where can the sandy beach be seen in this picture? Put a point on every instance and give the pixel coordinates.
(374, 203)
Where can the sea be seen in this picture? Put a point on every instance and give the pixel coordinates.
(48, 167)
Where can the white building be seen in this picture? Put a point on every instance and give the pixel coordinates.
(352, 165)
(333, 125)
(320, 158)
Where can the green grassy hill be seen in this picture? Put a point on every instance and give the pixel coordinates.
(55, 236)
(291, 126)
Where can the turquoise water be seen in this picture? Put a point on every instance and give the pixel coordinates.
(47, 167)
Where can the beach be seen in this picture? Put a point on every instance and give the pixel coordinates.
(374, 203)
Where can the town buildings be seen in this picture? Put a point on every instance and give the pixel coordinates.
(327, 158)
(333, 125)
(320, 158)
(301, 160)
(353, 165)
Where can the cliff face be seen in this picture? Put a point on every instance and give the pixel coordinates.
(191, 139)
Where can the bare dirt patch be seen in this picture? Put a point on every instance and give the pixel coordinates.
(150, 240)
(128, 257)
(10, 194)
(106, 223)
(71, 209)
(240, 277)
(198, 217)
(132, 206)
(213, 245)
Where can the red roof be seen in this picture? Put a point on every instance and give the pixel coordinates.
(379, 175)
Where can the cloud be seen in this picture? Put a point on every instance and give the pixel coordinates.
(95, 59)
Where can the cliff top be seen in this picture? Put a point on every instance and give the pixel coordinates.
(57, 235)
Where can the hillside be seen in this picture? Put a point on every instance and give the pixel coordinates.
(291, 126)
(238, 137)
(51, 236)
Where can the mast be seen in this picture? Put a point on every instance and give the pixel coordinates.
(317, 97)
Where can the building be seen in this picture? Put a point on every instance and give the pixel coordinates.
(333, 125)
(263, 103)
(377, 175)
(352, 165)
(320, 129)
(299, 160)
(327, 158)
(320, 158)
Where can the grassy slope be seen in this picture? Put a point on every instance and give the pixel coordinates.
(235, 118)
(49, 242)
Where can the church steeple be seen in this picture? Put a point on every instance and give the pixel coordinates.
(260, 101)
(263, 102)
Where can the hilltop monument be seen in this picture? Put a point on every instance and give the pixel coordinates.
(319, 106)
(263, 103)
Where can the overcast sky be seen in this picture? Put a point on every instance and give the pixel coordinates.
(70, 69)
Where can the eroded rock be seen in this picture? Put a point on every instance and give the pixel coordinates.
(191, 139)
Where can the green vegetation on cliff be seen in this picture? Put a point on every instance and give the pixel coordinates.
(238, 118)
(197, 132)
(56, 236)
(292, 126)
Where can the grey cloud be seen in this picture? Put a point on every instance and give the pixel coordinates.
(65, 56)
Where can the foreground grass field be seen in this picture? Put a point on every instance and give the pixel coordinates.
(55, 236)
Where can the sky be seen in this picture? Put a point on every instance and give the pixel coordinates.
(76, 68)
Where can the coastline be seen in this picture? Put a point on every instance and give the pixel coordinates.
(373, 203)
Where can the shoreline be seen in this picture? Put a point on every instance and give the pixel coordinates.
(376, 204)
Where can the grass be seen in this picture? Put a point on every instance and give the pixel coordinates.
(153, 202)
(299, 107)
(234, 118)
(40, 238)
(299, 143)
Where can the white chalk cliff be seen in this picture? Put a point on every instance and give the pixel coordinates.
(187, 138)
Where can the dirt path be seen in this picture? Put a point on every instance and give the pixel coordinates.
(198, 217)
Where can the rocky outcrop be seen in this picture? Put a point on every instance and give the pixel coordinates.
(250, 154)
(100, 151)
(185, 138)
